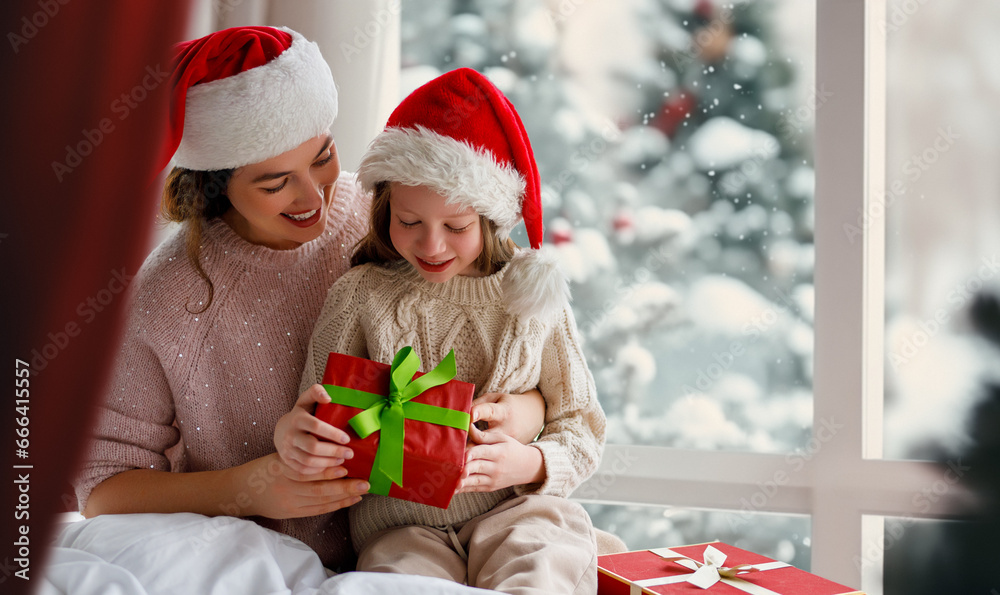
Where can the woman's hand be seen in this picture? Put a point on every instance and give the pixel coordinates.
(519, 416)
(306, 444)
(496, 460)
(268, 487)
(261, 487)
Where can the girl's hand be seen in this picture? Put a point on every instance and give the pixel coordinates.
(306, 444)
(496, 460)
(267, 487)
(518, 416)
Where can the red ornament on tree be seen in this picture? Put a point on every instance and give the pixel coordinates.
(624, 225)
(562, 231)
(705, 9)
(673, 112)
(623, 221)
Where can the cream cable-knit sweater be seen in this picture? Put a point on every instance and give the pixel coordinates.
(218, 381)
(373, 311)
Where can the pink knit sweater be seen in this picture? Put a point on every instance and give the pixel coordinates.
(212, 385)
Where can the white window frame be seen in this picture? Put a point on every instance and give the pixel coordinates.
(845, 486)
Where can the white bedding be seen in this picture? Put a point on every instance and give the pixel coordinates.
(147, 554)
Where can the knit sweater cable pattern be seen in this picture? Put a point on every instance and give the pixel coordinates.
(373, 311)
(203, 391)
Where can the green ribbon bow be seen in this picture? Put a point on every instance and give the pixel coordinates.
(387, 413)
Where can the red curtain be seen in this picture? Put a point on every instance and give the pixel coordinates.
(85, 97)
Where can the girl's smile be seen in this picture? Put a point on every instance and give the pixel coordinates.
(440, 240)
(435, 267)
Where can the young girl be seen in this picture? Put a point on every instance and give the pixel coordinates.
(452, 174)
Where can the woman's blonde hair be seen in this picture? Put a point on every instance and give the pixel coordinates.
(376, 247)
(193, 198)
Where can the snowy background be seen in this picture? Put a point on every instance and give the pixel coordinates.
(673, 144)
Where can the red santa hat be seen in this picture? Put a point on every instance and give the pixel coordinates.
(459, 135)
(244, 95)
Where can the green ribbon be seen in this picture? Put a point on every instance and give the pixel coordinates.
(387, 413)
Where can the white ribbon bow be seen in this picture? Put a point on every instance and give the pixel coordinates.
(708, 573)
(712, 571)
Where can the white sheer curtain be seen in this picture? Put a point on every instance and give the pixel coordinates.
(943, 148)
(360, 40)
(942, 217)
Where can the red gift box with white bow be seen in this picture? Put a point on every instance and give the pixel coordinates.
(706, 568)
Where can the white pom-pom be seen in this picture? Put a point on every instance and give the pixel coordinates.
(534, 284)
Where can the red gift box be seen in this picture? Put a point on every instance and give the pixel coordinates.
(671, 570)
(433, 455)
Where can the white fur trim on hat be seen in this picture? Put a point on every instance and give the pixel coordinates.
(534, 283)
(259, 113)
(421, 157)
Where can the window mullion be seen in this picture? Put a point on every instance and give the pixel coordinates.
(874, 229)
(840, 296)
(735, 481)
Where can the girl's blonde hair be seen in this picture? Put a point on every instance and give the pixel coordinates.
(194, 197)
(376, 247)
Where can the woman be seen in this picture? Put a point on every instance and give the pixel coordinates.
(222, 312)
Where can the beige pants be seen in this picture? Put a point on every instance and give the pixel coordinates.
(527, 544)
